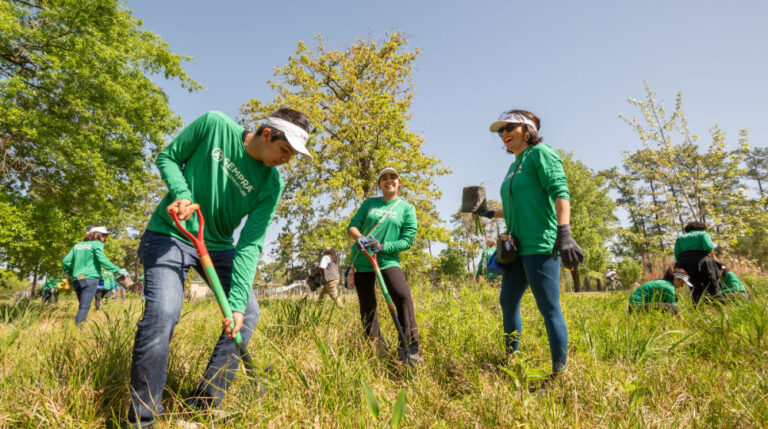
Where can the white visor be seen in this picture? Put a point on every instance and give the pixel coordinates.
(684, 278)
(295, 135)
(512, 118)
(101, 229)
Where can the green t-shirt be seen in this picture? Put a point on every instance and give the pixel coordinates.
(51, 283)
(87, 258)
(694, 240)
(109, 280)
(395, 233)
(482, 266)
(653, 291)
(207, 164)
(731, 283)
(529, 210)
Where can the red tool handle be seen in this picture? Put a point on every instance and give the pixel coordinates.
(198, 241)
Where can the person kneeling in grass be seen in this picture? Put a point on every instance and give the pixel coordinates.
(659, 294)
(732, 288)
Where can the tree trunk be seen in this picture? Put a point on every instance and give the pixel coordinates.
(34, 283)
(576, 280)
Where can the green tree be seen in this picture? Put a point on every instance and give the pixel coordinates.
(675, 182)
(357, 100)
(81, 123)
(592, 219)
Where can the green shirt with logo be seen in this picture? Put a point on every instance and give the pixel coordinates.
(395, 233)
(694, 240)
(482, 267)
(207, 164)
(653, 291)
(528, 198)
(731, 283)
(86, 259)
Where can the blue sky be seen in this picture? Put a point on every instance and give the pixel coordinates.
(572, 63)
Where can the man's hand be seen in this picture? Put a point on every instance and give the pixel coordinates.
(183, 207)
(226, 324)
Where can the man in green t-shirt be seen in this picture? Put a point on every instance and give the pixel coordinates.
(231, 173)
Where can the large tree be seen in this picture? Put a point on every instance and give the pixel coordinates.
(358, 102)
(82, 120)
(672, 181)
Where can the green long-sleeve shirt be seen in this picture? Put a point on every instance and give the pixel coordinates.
(654, 291)
(528, 198)
(694, 240)
(731, 283)
(482, 266)
(395, 233)
(51, 282)
(207, 164)
(109, 280)
(87, 258)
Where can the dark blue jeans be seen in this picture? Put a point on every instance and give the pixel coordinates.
(166, 263)
(85, 290)
(542, 274)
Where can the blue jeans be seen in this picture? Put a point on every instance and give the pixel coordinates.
(166, 263)
(542, 273)
(85, 290)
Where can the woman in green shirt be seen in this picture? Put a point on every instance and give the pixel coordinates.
(659, 294)
(693, 252)
(83, 264)
(387, 225)
(537, 211)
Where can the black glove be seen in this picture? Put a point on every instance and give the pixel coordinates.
(566, 245)
(374, 245)
(488, 213)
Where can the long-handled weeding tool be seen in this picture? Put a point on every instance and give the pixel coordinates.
(406, 358)
(215, 284)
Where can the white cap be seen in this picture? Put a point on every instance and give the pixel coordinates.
(295, 135)
(512, 118)
(388, 170)
(101, 229)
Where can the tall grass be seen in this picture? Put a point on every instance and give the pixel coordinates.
(703, 368)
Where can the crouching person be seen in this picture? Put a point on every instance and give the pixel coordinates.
(659, 294)
(231, 173)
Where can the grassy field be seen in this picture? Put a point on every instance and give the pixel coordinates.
(703, 368)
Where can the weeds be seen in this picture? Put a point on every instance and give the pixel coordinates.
(702, 368)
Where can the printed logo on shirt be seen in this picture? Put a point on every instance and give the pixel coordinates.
(83, 246)
(380, 212)
(231, 170)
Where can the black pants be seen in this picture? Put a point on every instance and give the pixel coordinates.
(648, 306)
(101, 294)
(703, 271)
(398, 288)
(50, 293)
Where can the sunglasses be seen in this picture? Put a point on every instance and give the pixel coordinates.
(508, 128)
